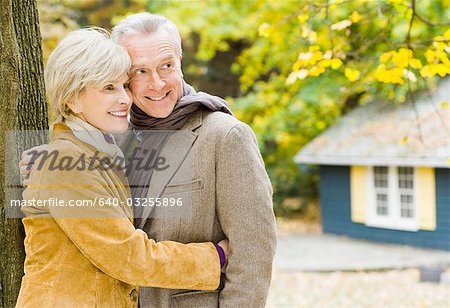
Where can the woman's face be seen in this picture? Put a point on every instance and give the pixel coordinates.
(105, 107)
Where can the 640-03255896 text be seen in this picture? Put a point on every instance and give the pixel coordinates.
(56, 202)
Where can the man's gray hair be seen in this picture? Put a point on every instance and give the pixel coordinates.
(146, 23)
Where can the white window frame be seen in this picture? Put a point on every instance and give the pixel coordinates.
(393, 220)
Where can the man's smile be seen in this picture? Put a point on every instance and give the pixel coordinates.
(157, 98)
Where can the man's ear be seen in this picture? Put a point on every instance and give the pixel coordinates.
(181, 66)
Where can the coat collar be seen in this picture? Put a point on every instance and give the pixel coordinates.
(195, 121)
(62, 132)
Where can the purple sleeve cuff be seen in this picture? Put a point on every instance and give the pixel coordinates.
(221, 253)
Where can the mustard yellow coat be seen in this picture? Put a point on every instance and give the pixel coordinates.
(93, 256)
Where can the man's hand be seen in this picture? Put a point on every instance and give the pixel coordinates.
(26, 163)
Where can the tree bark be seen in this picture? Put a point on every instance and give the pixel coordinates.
(22, 107)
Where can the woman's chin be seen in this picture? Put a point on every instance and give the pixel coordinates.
(116, 128)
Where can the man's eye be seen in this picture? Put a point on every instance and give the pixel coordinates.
(167, 65)
(139, 72)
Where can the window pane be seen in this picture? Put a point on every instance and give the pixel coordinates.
(382, 205)
(406, 177)
(406, 206)
(380, 176)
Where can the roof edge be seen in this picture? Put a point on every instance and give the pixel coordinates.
(440, 162)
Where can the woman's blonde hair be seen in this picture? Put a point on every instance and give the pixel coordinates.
(84, 57)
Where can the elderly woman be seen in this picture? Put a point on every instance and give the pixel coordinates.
(92, 256)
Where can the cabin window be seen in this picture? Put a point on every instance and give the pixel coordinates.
(392, 198)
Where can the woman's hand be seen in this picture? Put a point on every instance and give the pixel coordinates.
(27, 161)
(224, 244)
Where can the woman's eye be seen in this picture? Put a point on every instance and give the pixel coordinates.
(109, 87)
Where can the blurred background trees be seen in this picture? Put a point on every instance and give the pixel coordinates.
(23, 107)
(289, 68)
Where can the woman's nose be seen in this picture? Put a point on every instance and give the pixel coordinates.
(124, 97)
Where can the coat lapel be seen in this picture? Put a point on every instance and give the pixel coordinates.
(175, 152)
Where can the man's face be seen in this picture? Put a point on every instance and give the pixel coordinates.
(155, 77)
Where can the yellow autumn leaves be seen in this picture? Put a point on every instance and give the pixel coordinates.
(394, 67)
(351, 74)
(313, 63)
(397, 66)
(436, 57)
(353, 19)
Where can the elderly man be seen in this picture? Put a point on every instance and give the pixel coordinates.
(230, 190)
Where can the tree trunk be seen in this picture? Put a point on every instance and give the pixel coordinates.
(22, 107)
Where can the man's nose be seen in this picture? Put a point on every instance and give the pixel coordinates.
(155, 82)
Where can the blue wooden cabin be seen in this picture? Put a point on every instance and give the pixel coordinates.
(385, 172)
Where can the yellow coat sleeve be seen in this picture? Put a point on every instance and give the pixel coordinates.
(108, 239)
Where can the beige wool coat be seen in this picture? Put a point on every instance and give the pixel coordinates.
(218, 171)
(94, 257)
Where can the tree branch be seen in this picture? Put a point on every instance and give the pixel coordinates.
(431, 24)
(411, 22)
(327, 21)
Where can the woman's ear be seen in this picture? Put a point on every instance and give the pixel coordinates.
(74, 106)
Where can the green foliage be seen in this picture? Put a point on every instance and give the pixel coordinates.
(304, 63)
(309, 61)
